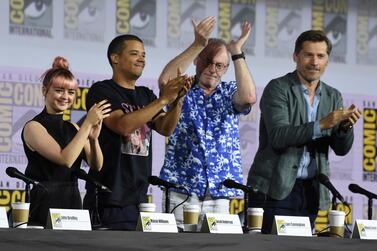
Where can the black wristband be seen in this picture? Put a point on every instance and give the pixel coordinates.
(238, 56)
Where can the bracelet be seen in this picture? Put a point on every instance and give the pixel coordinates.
(238, 56)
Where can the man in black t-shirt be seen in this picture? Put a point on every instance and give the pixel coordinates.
(126, 137)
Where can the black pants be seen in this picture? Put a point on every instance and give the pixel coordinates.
(57, 195)
(302, 201)
(119, 218)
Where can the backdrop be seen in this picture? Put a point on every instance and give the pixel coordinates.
(34, 32)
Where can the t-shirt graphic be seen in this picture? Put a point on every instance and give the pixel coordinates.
(137, 142)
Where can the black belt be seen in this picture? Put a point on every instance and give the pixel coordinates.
(304, 182)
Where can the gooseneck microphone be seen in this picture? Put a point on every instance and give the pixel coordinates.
(324, 180)
(14, 173)
(156, 181)
(232, 184)
(81, 174)
(229, 183)
(357, 189)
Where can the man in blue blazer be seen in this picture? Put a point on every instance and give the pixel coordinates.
(301, 117)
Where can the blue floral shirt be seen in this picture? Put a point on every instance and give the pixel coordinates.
(205, 146)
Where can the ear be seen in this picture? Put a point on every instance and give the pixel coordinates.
(44, 91)
(294, 56)
(114, 58)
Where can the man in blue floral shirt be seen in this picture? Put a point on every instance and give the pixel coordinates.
(204, 149)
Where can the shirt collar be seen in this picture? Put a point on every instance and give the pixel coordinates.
(196, 87)
(317, 90)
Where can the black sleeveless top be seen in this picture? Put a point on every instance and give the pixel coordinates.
(62, 189)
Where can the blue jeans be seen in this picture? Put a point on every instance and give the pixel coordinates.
(302, 201)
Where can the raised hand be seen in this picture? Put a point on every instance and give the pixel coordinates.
(203, 30)
(235, 46)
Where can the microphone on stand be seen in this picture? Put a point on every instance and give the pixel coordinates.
(81, 174)
(357, 189)
(94, 213)
(156, 181)
(324, 180)
(232, 184)
(14, 173)
(229, 183)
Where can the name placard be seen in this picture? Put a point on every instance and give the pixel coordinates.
(221, 224)
(68, 219)
(365, 229)
(291, 226)
(3, 218)
(157, 222)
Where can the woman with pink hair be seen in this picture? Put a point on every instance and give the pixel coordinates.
(55, 148)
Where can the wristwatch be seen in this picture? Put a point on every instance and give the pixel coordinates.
(238, 56)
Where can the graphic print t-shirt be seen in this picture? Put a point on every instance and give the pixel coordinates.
(127, 159)
(136, 143)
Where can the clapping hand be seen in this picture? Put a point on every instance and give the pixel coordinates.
(235, 46)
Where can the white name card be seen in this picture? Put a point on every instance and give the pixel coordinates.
(157, 222)
(291, 226)
(365, 229)
(68, 219)
(222, 224)
(3, 218)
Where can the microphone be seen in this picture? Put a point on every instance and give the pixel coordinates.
(14, 173)
(81, 174)
(156, 181)
(232, 184)
(324, 180)
(357, 189)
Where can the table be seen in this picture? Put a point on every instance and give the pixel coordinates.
(44, 239)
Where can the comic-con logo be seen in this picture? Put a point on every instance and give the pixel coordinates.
(78, 111)
(212, 223)
(281, 226)
(137, 17)
(56, 219)
(17, 101)
(146, 223)
(31, 17)
(366, 38)
(83, 20)
(231, 15)
(369, 144)
(179, 26)
(283, 25)
(8, 196)
(331, 17)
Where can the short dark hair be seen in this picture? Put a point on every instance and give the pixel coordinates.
(313, 36)
(117, 44)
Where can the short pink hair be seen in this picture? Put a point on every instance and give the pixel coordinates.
(59, 75)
